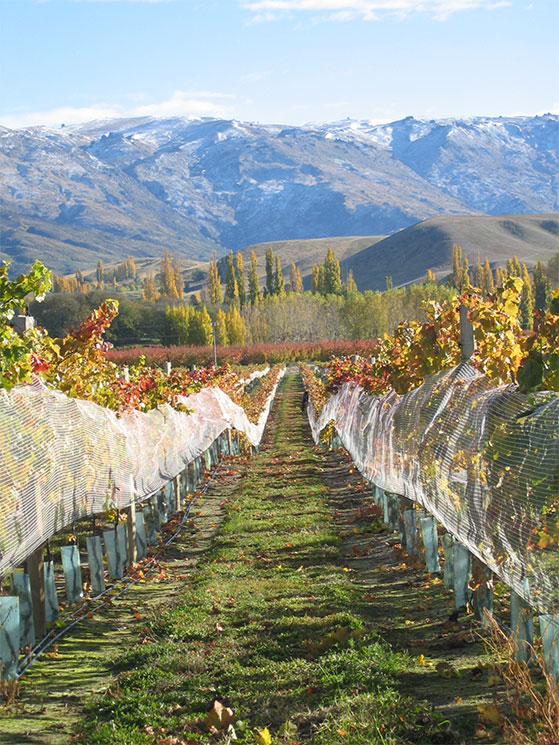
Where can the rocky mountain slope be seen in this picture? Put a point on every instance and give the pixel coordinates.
(137, 186)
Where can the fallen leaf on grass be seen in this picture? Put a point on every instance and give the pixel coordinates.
(263, 736)
(341, 732)
(489, 714)
(288, 729)
(219, 717)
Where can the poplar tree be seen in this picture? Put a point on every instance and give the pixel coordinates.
(130, 268)
(278, 278)
(315, 279)
(552, 270)
(214, 283)
(167, 278)
(488, 284)
(236, 330)
(149, 292)
(241, 283)
(457, 266)
(100, 272)
(200, 331)
(513, 267)
(295, 279)
(526, 307)
(500, 276)
(179, 279)
(253, 283)
(465, 274)
(542, 287)
(350, 285)
(221, 328)
(332, 274)
(270, 278)
(178, 319)
(231, 287)
(430, 276)
(477, 272)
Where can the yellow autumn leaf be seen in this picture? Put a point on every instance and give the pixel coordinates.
(489, 714)
(263, 736)
(421, 660)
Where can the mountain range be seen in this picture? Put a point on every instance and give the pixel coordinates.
(72, 195)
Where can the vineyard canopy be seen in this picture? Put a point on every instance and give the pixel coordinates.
(483, 460)
(63, 458)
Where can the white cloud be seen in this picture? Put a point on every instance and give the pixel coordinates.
(368, 10)
(181, 103)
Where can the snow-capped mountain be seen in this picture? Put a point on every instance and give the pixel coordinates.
(139, 185)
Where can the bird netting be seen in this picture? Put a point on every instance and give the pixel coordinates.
(63, 458)
(483, 460)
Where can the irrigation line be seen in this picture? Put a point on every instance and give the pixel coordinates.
(80, 614)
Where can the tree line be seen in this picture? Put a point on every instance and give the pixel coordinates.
(281, 310)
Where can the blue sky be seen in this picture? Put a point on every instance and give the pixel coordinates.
(283, 61)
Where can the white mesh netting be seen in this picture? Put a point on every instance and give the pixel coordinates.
(63, 459)
(483, 460)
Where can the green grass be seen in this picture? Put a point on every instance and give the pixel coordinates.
(270, 625)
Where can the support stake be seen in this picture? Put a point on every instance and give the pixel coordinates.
(36, 572)
(131, 523)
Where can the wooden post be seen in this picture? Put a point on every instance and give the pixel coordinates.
(131, 523)
(178, 496)
(35, 569)
(466, 334)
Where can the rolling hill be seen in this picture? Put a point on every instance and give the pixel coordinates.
(304, 253)
(407, 255)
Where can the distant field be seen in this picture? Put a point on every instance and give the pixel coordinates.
(242, 354)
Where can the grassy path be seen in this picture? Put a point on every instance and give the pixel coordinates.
(284, 623)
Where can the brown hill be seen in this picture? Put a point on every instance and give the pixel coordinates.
(407, 255)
